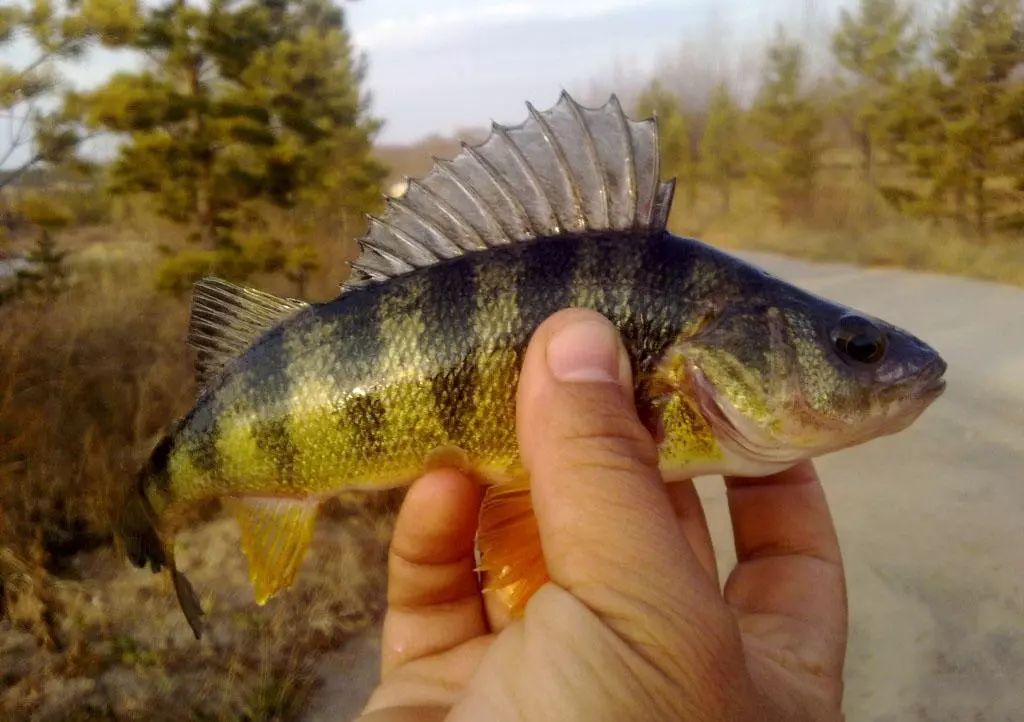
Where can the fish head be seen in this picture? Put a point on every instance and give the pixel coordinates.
(784, 375)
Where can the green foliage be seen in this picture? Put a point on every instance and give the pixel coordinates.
(46, 275)
(41, 271)
(789, 123)
(300, 261)
(975, 99)
(246, 105)
(56, 31)
(721, 149)
(45, 211)
(877, 46)
(675, 136)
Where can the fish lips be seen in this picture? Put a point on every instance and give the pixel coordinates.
(932, 381)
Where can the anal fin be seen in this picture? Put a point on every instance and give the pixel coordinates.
(275, 535)
(509, 544)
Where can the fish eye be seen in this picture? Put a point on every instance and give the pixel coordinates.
(858, 339)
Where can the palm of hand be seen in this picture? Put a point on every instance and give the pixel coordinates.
(448, 651)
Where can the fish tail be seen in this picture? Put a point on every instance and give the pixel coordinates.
(137, 524)
(187, 600)
(139, 535)
(137, 527)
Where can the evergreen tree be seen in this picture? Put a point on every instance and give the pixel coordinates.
(31, 134)
(52, 32)
(975, 99)
(721, 149)
(789, 125)
(674, 135)
(46, 274)
(245, 106)
(877, 45)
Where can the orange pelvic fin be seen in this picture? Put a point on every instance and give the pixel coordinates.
(509, 543)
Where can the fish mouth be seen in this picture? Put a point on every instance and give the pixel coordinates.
(735, 430)
(931, 382)
(915, 393)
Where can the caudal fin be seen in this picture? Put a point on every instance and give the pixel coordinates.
(136, 525)
(138, 533)
(188, 601)
(510, 551)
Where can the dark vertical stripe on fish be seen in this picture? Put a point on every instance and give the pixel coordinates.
(449, 334)
(544, 284)
(201, 443)
(653, 295)
(363, 420)
(273, 436)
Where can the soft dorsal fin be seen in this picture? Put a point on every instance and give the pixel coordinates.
(569, 169)
(226, 319)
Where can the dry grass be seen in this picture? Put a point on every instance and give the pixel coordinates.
(129, 654)
(88, 380)
(850, 222)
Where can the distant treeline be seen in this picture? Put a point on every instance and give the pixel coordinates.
(245, 124)
(931, 110)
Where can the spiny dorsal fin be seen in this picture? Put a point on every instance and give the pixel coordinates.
(569, 169)
(226, 319)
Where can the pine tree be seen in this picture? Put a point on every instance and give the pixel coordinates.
(52, 32)
(678, 158)
(46, 274)
(247, 109)
(789, 125)
(975, 100)
(877, 45)
(721, 149)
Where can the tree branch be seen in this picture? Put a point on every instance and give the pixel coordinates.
(19, 171)
(17, 138)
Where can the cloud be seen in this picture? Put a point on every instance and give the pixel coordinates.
(419, 28)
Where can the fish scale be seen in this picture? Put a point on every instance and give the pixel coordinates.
(416, 364)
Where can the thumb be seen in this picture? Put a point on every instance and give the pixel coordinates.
(607, 527)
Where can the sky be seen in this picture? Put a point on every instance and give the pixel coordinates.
(446, 64)
(440, 65)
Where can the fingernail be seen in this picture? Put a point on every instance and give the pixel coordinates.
(587, 350)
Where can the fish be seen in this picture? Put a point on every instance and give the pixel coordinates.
(415, 364)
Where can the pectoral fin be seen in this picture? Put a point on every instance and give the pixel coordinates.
(509, 544)
(275, 535)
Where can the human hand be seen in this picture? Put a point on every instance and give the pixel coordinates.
(633, 625)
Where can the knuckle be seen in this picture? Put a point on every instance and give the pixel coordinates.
(608, 454)
(605, 436)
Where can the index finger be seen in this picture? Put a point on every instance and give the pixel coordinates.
(788, 562)
(433, 600)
